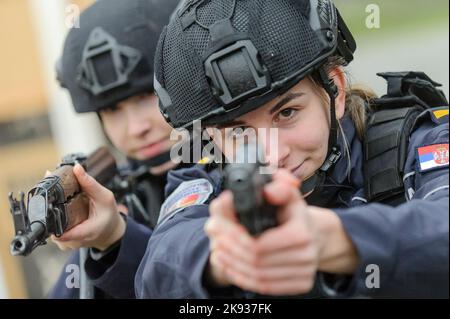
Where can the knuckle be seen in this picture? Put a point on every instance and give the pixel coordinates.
(213, 259)
(266, 288)
(87, 180)
(109, 196)
(231, 276)
(87, 238)
(209, 227)
(260, 275)
(312, 256)
(306, 285)
(213, 206)
(309, 284)
(256, 274)
(252, 284)
(254, 260)
(256, 250)
(302, 238)
(299, 256)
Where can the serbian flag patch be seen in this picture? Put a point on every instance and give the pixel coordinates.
(433, 156)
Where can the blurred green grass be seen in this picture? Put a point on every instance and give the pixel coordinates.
(396, 16)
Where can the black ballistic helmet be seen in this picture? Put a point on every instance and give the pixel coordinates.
(110, 57)
(220, 59)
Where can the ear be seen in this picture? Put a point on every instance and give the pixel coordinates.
(338, 76)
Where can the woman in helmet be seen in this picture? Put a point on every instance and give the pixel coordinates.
(107, 67)
(371, 214)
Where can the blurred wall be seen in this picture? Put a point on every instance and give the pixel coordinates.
(37, 126)
(71, 132)
(22, 100)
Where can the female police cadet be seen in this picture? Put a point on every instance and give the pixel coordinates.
(375, 191)
(107, 67)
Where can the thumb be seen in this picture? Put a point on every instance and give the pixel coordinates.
(223, 206)
(280, 194)
(88, 184)
(283, 189)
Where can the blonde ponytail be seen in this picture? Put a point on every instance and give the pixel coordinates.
(357, 99)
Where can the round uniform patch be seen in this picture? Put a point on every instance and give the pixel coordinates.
(195, 192)
(441, 155)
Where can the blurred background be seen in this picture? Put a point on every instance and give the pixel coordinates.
(38, 125)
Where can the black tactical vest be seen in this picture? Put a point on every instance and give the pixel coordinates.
(390, 122)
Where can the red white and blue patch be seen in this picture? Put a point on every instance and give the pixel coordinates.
(433, 156)
(190, 193)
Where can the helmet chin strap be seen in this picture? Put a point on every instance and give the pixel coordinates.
(151, 162)
(155, 161)
(315, 182)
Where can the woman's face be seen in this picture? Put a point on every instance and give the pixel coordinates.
(136, 127)
(302, 118)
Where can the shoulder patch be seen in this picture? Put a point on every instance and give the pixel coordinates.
(439, 115)
(190, 193)
(204, 161)
(432, 156)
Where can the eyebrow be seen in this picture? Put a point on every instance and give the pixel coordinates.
(289, 97)
(286, 99)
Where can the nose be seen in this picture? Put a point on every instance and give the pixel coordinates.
(137, 122)
(276, 151)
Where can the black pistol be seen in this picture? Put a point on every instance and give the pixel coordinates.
(245, 179)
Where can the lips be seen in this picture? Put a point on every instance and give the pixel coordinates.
(152, 149)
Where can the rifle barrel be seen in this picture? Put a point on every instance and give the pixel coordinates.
(24, 244)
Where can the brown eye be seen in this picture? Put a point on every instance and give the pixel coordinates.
(144, 100)
(144, 96)
(110, 109)
(287, 113)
